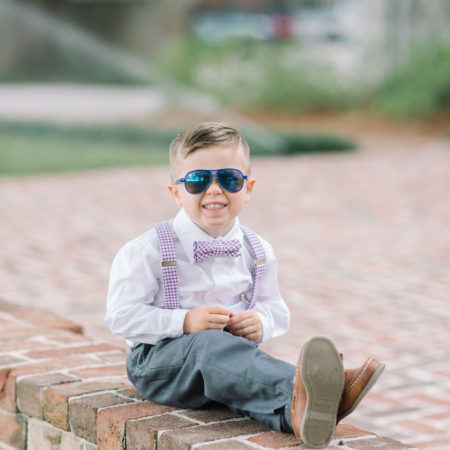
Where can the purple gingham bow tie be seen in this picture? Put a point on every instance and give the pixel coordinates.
(204, 249)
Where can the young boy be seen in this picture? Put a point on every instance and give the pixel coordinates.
(196, 295)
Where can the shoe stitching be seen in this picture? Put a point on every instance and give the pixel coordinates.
(366, 365)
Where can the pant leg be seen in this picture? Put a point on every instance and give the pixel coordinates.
(212, 366)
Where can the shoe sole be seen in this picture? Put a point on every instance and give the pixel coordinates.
(373, 379)
(323, 376)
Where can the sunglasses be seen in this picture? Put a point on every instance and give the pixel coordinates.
(197, 181)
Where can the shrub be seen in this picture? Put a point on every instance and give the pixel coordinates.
(420, 86)
(252, 75)
(41, 148)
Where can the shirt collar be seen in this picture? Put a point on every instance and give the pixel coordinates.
(188, 232)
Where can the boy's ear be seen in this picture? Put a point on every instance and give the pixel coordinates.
(174, 191)
(249, 186)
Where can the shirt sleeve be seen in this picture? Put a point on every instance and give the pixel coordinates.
(130, 309)
(270, 305)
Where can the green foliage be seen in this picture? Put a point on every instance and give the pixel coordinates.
(44, 148)
(299, 143)
(62, 65)
(317, 143)
(105, 134)
(27, 148)
(252, 74)
(420, 86)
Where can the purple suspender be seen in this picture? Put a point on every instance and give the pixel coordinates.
(259, 265)
(169, 264)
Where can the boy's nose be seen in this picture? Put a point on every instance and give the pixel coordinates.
(214, 187)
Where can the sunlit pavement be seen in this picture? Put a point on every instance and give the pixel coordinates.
(81, 104)
(363, 241)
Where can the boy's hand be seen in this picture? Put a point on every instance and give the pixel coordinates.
(207, 317)
(246, 324)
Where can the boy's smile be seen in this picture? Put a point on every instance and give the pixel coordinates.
(215, 209)
(214, 206)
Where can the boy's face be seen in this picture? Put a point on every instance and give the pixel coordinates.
(215, 209)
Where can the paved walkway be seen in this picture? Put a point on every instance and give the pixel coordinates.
(82, 104)
(363, 241)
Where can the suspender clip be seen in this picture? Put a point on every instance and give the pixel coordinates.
(168, 263)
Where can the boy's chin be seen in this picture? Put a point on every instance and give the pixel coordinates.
(216, 228)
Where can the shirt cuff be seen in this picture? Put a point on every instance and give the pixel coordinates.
(266, 332)
(177, 321)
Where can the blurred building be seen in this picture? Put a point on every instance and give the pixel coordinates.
(38, 36)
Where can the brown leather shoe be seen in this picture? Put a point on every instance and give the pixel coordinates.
(357, 384)
(318, 385)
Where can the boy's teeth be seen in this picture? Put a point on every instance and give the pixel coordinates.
(214, 206)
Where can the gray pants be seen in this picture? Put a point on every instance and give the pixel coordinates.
(210, 366)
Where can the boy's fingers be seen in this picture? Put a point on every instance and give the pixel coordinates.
(243, 315)
(241, 324)
(218, 319)
(234, 320)
(253, 337)
(247, 329)
(246, 332)
(218, 309)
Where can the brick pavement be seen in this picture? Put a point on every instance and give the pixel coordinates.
(62, 389)
(363, 243)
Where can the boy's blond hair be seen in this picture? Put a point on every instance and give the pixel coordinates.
(204, 135)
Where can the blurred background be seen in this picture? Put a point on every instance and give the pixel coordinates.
(346, 106)
(292, 55)
(166, 64)
(330, 45)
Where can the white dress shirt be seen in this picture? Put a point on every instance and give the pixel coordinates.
(135, 303)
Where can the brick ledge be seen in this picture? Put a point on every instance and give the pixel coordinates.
(62, 389)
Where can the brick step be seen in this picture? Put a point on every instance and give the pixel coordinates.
(62, 389)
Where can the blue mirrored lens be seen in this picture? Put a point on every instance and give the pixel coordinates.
(197, 181)
(230, 179)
